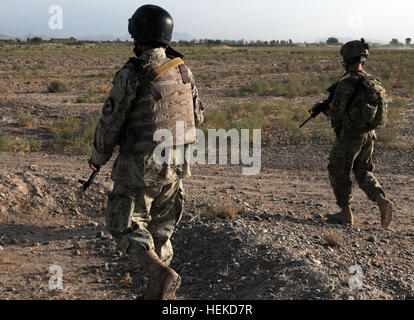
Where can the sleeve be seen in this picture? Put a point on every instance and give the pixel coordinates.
(114, 113)
(198, 106)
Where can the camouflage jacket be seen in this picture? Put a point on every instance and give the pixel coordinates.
(338, 109)
(137, 167)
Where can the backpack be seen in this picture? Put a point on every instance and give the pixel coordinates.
(368, 111)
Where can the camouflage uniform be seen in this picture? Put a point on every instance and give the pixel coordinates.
(353, 149)
(147, 199)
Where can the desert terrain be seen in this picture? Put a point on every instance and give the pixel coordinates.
(241, 237)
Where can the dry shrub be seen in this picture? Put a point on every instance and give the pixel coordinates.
(3, 88)
(104, 89)
(25, 120)
(14, 144)
(58, 86)
(72, 135)
(224, 209)
(333, 239)
(387, 137)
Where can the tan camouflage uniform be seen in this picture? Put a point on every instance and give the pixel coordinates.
(352, 150)
(147, 199)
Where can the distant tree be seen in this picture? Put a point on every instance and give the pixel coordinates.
(35, 39)
(408, 41)
(394, 42)
(290, 41)
(332, 40)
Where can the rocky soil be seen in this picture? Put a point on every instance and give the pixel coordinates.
(277, 247)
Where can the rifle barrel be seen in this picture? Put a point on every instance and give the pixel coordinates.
(86, 184)
(305, 122)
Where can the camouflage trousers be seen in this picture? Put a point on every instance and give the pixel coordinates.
(144, 218)
(353, 154)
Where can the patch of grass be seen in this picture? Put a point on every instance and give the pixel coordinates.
(36, 145)
(25, 120)
(56, 86)
(10, 143)
(387, 137)
(5, 142)
(73, 135)
(268, 108)
(91, 98)
(236, 116)
(293, 86)
(333, 239)
(224, 209)
(289, 117)
(17, 67)
(395, 110)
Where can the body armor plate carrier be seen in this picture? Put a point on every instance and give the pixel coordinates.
(164, 101)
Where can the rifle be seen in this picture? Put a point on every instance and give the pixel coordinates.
(320, 107)
(86, 184)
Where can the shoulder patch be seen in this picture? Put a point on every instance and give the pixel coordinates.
(108, 107)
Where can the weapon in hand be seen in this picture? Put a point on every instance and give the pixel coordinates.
(86, 184)
(315, 111)
(320, 107)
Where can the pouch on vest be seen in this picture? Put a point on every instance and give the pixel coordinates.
(369, 109)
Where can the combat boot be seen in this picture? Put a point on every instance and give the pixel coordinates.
(386, 208)
(344, 216)
(163, 281)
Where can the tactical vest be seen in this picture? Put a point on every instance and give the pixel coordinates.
(164, 100)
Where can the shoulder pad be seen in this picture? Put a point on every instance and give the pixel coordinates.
(371, 77)
(352, 79)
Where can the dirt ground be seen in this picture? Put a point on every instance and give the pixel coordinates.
(276, 248)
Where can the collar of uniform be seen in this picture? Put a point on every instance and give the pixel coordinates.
(154, 54)
(355, 73)
(360, 72)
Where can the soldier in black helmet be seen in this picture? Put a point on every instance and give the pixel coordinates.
(358, 108)
(154, 91)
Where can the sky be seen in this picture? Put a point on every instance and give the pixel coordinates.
(299, 20)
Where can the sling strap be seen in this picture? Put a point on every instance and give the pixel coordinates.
(164, 68)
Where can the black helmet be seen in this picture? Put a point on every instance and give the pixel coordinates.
(355, 49)
(151, 23)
